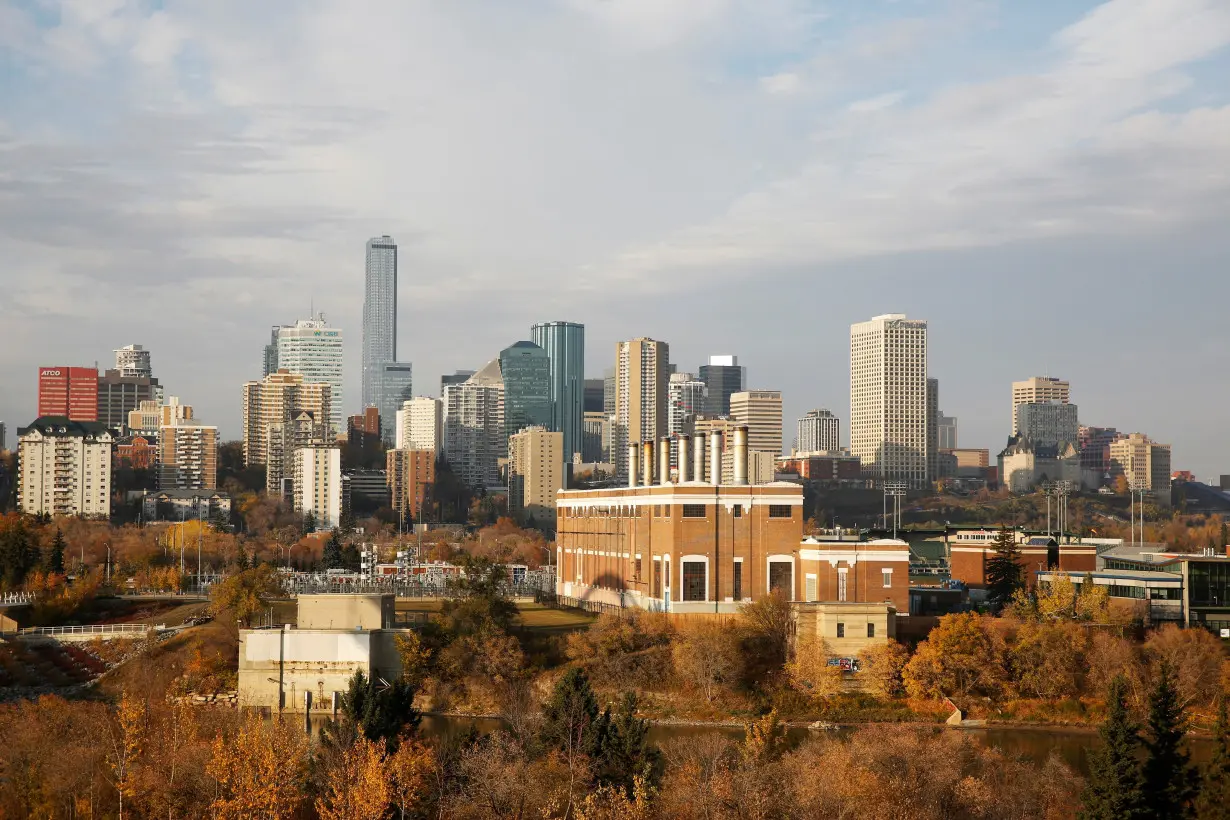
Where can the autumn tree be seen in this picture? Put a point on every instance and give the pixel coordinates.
(246, 593)
(881, 666)
(809, 670)
(706, 656)
(55, 553)
(259, 771)
(1115, 789)
(766, 622)
(1214, 800)
(958, 658)
(127, 747)
(358, 788)
(627, 759)
(1048, 659)
(1170, 780)
(1194, 657)
(410, 770)
(1004, 573)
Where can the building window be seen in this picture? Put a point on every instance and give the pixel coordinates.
(888, 578)
(841, 585)
(779, 511)
(737, 511)
(781, 578)
(841, 630)
(694, 580)
(736, 579)
(693, 510)
(871, 630)
(637, 571)
(657, 579)
(811, 588)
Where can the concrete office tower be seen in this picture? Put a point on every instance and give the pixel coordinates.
(1095, 447)
(394, 387)
(314, 350)
(819, 431)
(641, 395)
(187, 457)
(596, 439)
(564, 343)
(119, 395)
(411, 475)
(133, 360)
(276, 400)
(595, 396)
(535, 475)
(318, 485)
(888, 397)
(71, 392)
(474, 438)
(687, 400)
(947, 439)
(420, 424)
(723, 377)
(379, 314)
(1047, 422)
(65, 467)
(526, 373)
(761, 412)
(1038, 390)
(150, 416)
(1144, 463)
(271, 351)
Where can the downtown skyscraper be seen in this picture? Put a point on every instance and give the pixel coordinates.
(890, 421)
(564, 343)
(379, 314)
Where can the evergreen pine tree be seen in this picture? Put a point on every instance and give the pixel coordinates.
(55, 555)
(1214, 801)
(241, 560)
(1170, 780)
(333, 552)
(382, 710)
(1004, 574)
(626, 752)
(1114, 789)
(570, 719)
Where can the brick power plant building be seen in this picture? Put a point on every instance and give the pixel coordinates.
(700, 546)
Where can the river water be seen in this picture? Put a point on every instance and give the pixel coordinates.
(1035, 744)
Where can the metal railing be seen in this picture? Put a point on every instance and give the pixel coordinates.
(16, 598)
(93, 629)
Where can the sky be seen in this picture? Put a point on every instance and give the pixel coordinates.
(1047, 183)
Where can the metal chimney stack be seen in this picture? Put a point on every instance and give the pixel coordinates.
(715, 458)
(664, 460)
(698, 458)
(684, 441)
(634, 465)
(741, 454)
(647, 463)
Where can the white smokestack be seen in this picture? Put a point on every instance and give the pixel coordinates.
(698, 458)
(664, 460)
(715, 458)
(634, 463)
(741, 455)
(684, 441)
(647, 463)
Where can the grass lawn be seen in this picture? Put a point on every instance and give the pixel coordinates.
(537, 616)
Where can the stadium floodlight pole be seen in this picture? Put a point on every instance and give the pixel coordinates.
(1062, 490)
(1047, 487)
(897, 490)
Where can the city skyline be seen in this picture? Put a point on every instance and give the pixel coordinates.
(169, 241)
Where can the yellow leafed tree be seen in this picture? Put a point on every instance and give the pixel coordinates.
(357, 789)
(259, 771)
(410, 769)
(809, 669)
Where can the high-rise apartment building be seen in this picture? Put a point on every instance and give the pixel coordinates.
(1047, 422)
(363, 429)
(564, 343)
(187, 457)
(276, 400)
(1144, 463)
(150, 416)
(608, 391)
(64, 467)
(118, 395)
(285, 440)
(1038, 390)
(641, 394)
(314, 350)
(888, 397)
(526, 373)
(474, 433)
(71, 392)
(933, 428)
(687, 400)
(761, 412)
(535, 475)
(458, 377)
(394, 386)
(596, 439)
(318, 485)
(420, 424)
(819, 431)
(411, 475)
(379, 314)
(947, 439)
(723, 377)
(133, 361)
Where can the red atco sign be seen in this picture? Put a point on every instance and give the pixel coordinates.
(50, 373)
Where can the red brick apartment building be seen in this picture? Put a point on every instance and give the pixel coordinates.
(970, 550)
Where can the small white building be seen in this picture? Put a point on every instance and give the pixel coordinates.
(64, 467)
(318, 484)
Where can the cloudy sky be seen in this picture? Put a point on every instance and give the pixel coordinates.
(1046, 182)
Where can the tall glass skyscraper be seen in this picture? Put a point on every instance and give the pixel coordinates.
(314, 349)
(379, 314)
(394, 387)
(564, 343)
(723, 377)
(527, 386)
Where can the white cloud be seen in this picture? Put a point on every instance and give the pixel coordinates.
(876, 103)
(782, 84)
